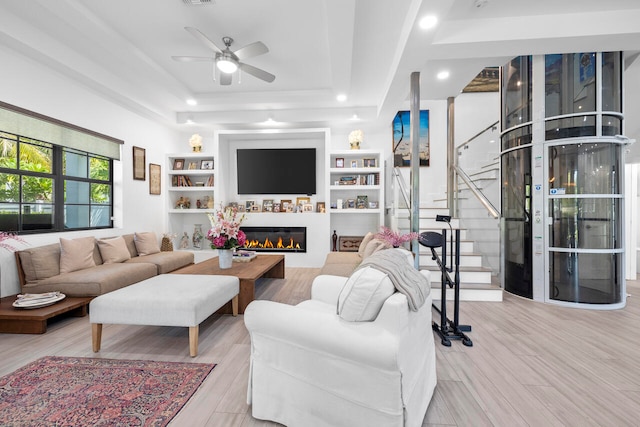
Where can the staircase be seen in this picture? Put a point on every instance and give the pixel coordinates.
(477, 282)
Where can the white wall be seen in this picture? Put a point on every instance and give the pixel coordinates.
(36, 88)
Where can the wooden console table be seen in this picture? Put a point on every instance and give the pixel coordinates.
(34, 321)
(271, 266)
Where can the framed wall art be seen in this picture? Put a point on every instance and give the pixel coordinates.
(139, 160)
(401, 142)
(155, 179)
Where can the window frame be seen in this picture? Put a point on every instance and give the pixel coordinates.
(59, 178)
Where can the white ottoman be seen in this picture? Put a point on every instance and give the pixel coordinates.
(165, 300)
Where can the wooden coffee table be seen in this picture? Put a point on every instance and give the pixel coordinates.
(271, 266)
(34, 321)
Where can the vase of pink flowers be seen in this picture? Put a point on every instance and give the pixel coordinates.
(225, 234)
(394, 238)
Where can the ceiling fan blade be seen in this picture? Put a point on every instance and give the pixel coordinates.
(257, 72)
(204, 39)
(225, 79)
(192, 58)
(251, 50)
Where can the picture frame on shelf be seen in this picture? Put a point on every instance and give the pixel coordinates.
(249, 204)
(362, 202)
(267, 205)
(339, 162)
(290, 208)
(277, 207)
(369, 163)
(285, 203)
(155, 179)
(321, 207)
(193, 165)
(256, 208)
(206, 164)
(139, 163)
(354, 163)
(178, 164)
(351, 204)
(373, 205)
(307, 207)
(241, 207)
(302, 200)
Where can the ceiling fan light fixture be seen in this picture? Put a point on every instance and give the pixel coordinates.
(227, 65)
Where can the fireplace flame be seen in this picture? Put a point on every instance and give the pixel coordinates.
(268, 244)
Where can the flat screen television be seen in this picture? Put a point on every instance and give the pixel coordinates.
(276, 171)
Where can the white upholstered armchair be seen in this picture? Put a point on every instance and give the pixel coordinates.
(310, 367)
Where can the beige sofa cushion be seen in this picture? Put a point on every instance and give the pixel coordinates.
(76, 254)
(165, 262)
(146, 243)
(113, 250)
(373, 246)
(40, 262)
(365, 240)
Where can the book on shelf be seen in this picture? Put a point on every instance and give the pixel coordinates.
(209, 181)
(181, 181)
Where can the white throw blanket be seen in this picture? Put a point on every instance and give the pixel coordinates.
(404, 277)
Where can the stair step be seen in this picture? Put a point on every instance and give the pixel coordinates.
(467, 274)
(466, 260)
(469, 292)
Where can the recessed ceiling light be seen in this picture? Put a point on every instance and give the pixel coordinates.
(190, 122)
(341, 97)
(192, 102)
(428, 22)
(442, 75)
(354, 117)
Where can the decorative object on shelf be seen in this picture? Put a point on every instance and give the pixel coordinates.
(207, 202)
(197, 237)
(267, 205)
(183, 203)
(193, 166)
(225, 258)
(334, 239)
(196, 143)
(339, 162)
(139, 163)
(184, 241)
(349, 243)
(320, 207)
(355, 138)
(166, 245)
(198, 204)
(362, 202)
(155, 179)
(394, 238)
(369, 163)
(178, 164)
(206, 164)
(339, 204)
(225, 230)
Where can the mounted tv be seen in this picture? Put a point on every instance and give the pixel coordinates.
(277, 171)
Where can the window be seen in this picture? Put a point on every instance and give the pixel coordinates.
(46, 187)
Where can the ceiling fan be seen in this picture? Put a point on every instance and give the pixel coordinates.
(228, 61)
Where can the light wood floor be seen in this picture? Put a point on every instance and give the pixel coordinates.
(531, 364)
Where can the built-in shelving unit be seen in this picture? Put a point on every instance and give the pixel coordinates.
(356, 191)
(190, 176)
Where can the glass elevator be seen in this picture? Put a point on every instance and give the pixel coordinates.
(562, 176)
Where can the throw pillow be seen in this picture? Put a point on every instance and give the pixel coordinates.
(146, 243)
(363, 295)
(373, 246)
(365, 240)
(113, 250)
(76, 254)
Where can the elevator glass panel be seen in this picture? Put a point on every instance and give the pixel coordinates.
(585, 233)
(516, 92)
(570, 84)
(612, 81)
(516, 213)
(588, 168)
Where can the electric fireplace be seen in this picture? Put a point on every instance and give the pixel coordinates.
(276, 239)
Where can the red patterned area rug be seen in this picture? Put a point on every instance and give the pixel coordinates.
(77, 391)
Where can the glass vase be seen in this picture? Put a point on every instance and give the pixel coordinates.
(225, 258)
(198, 237)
